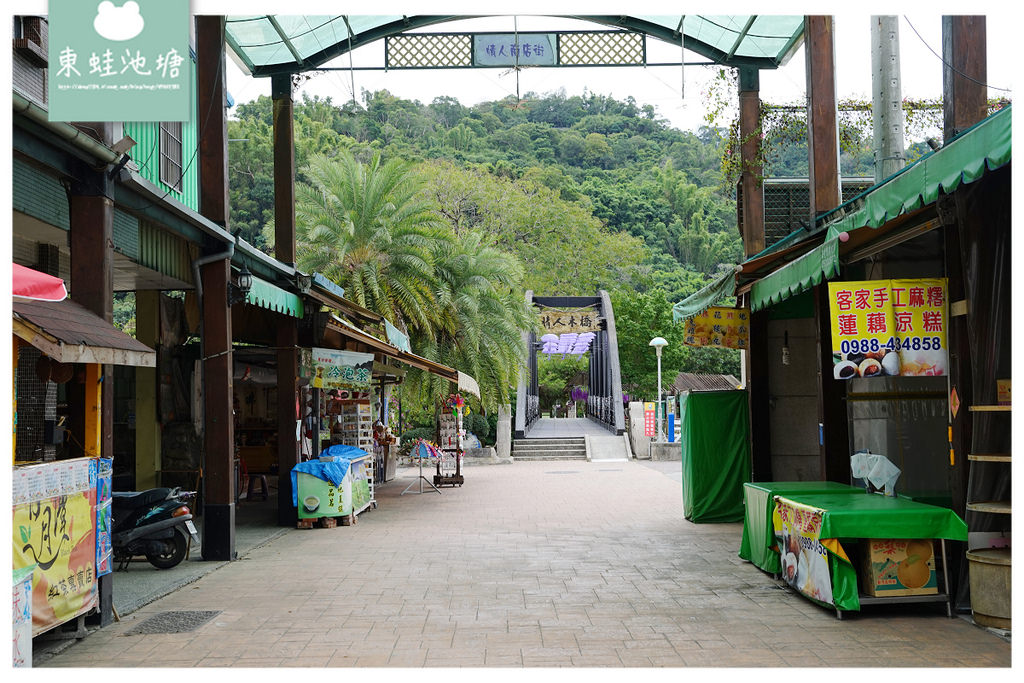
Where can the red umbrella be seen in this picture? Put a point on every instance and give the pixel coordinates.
(31, 284)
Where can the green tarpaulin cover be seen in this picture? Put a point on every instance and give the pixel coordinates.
(273, 298)
(758, 540)
(874, 516)
(700, 301)
(715, 453)
(819, 263)
(985, 146)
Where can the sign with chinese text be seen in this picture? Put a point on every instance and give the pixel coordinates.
(557, 321)
(510, 49)
(21, 611)
(54, 531)
(333, 369)
(124, 61)
(803, 557)
(104, 518)
(649, 418)
(725, 328)
(889, 327)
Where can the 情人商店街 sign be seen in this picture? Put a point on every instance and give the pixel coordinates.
(334, 369)
(726, 328)
(557, 321)
(889, 328)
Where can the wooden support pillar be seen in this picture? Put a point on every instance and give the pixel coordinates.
(284, 168)
(287, 331)
(822, 130)
(758, 394)
(751, 181)
(147, 383)
(833, 425)
(211, 89)
(964, 57)
(217, 363)
(218, 424)
(92, 286)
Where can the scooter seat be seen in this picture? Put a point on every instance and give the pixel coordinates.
(135, 499)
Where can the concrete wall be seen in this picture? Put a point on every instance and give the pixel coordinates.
(640, 444)
(793, 401)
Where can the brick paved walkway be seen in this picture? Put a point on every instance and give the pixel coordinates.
(533, 564)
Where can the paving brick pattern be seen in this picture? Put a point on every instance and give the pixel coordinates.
(590, 567)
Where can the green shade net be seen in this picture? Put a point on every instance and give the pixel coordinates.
(820, 263)
(715, 454)
(986, 145)
(874, 516)
(700, 301)
(757, 545)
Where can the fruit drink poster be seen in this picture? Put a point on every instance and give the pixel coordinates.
(724, 328)
(54, 530)
(803, 557)
(889, 328)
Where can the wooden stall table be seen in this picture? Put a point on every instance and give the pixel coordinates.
(757, 544)
(832, 519)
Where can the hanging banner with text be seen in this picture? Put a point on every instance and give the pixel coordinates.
(334, 369)
(725, 328)
(889, 328)
(54, 532)
(558, 321)
(803, 557)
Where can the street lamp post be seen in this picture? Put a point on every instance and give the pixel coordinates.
(659, 343)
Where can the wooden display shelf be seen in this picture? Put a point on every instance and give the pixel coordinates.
(989, 457)
(996, 507)
(990, 409)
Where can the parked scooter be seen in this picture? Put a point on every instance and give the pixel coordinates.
(156, 523)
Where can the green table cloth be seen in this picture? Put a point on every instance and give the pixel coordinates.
(757, 544)
(872, 516)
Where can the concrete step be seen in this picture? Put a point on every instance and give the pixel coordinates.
(562, 456)
(518, 446)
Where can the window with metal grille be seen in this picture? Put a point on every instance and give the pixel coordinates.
(171, 155)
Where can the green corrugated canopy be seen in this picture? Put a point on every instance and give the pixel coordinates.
(273, 298)
(714, 427)
(985, 146)
(819, 263)
(700, 301)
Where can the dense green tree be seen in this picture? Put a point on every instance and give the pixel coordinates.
(368, 229)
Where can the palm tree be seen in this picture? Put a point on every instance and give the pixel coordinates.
(367, 228)
(482, 314)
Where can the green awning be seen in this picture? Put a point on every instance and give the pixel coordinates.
(822, 262)
(710, 295)
(985, 146)
(273, 298)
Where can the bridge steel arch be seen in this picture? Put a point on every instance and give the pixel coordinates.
(604, 400)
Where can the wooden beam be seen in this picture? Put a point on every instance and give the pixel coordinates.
(93, 410)
(822, 131)
(751, 183)
(211, 92)
(284, 169)
(964, 72)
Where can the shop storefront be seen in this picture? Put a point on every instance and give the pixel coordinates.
(61, 487)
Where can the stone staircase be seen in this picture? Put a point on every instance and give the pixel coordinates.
(568, 448)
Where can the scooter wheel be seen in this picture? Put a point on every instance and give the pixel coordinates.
(172, 554)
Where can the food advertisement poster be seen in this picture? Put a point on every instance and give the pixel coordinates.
(804, 558)
(725, 328)
(889, 328)
(54, 531)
